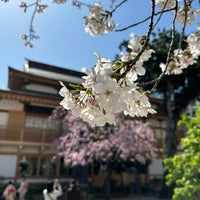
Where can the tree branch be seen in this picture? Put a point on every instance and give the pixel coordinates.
(144, 20)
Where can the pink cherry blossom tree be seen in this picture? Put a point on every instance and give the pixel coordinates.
(127, 140)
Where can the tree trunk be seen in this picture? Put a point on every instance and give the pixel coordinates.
(122, 187)
(170, 143)
(108, 181)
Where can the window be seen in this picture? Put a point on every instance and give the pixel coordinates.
(40, 122)
(47, 167)
(36, 166)
(28, 165)
(34, 122)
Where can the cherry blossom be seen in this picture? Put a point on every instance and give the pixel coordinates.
(184, 58)
(165, 3)
(191, 15)
(60, 1)
(102, 95)
(112, 87)
(128, 140)
(193, 41)
(99, 21)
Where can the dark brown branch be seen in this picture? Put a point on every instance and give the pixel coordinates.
(146, 42)
(117, 6)
(184, 25)
(144, 20)
(160, 15)
(157, 81)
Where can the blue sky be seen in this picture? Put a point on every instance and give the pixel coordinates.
(63, 41)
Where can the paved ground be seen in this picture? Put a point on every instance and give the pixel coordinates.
(138, 198)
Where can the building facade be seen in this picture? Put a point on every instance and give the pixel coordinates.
(27, 134)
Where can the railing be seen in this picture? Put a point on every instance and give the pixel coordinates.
(35, 135)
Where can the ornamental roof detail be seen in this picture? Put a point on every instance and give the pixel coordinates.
(29, 98)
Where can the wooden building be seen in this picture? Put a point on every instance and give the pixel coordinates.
(26, 134)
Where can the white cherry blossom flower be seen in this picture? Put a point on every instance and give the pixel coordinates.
(134, 44)
(198, 26)
(99, 21)
(97, 117)
(22, 4)
(105, 87)
(67, 102)
(193, 41)
(191, 15)
(172, 68)
(59, 1)
(165, 3)
(42, 8)
(100, 72)
(109, 95)
(136, 70)
(183, 58)
(146, 55)
(137, 104)
(90, 79)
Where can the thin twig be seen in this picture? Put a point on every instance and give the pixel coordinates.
(184, 25)
(33, 14)
(117, 6)
(162, 11)
(157, 81)
(146, 42)
(142, 21)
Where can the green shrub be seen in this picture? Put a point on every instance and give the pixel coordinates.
(184, 169)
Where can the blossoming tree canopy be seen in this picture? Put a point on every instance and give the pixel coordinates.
(129, 139)
(113, 87)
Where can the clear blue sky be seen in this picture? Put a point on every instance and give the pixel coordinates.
(63, 41)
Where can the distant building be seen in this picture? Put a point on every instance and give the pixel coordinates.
(26, 134)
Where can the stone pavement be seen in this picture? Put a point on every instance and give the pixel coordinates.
(138, 198)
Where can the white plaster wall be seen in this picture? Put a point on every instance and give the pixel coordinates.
(3, 119)
(6, 104)
(8, 165)
(154, 122)
(41, 88)
(7, 149)
(29, 149)
(156, 168)
(53, 75)
(159, 134)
